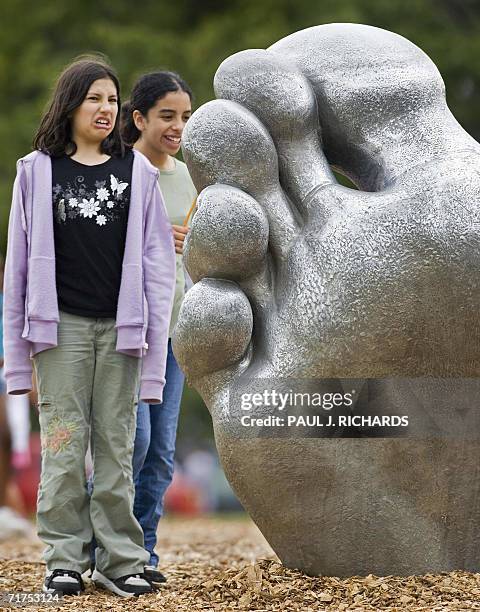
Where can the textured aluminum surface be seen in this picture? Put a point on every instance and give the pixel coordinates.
(297, 276)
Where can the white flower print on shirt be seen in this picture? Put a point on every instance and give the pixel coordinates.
(89, 208)
(102, 194)
(99, 203)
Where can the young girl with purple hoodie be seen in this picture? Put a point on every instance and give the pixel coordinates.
(89, 285)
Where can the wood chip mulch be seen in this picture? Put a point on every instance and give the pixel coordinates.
(216, 564)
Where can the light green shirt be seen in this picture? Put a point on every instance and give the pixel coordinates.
(178, 193)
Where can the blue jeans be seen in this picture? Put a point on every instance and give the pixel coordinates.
(154, 453)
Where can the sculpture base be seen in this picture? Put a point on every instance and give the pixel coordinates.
(361, 506)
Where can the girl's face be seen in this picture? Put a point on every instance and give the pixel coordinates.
(163, 126)
(95, 118)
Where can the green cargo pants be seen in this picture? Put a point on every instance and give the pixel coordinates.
(88, 390)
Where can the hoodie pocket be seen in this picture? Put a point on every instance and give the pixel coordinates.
(42, 289)
(131, 296)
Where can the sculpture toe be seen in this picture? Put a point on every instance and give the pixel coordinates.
(214, 328)
(229, 236)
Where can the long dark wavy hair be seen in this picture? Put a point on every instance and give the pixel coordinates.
(147, 90)
(54, 135)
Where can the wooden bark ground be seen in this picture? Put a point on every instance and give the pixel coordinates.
(216, 564)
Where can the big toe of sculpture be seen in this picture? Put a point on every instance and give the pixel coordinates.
(301, 278)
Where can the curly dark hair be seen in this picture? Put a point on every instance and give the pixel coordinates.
(54, 135)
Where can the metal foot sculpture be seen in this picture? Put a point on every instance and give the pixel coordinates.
(300, 279)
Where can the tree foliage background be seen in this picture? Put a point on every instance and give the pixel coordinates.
(192, 37)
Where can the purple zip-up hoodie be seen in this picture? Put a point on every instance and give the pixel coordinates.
(146, 290)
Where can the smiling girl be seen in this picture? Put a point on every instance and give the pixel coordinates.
(89, 283)
(153, 122)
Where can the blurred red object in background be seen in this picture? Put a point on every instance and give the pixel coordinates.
(27, 478)
(183, 496)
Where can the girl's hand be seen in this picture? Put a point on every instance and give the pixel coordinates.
(179, 233)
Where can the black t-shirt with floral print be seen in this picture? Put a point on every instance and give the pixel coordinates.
(90, 212)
